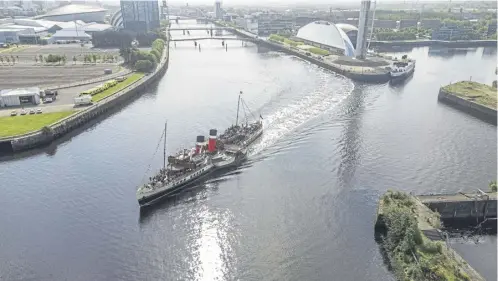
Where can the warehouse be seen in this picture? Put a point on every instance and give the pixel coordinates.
(19, 97)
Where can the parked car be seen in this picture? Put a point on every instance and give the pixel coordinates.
(32, 111)
(13, 113)
(23, 112)
(39, 111)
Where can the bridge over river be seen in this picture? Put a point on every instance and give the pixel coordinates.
(214, 38)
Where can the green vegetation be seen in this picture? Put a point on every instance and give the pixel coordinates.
(132, 56)
(17, 125)
(112, 90)
(282, 39)
(412, 256)
(475, 92)
(493, 186)
(277, 38)
(319, 51)
(100, 89)
(56, 58)
(393, 36)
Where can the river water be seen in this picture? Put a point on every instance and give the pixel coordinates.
(302, 208)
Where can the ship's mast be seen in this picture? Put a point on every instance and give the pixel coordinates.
(164, 148)
(238, 105)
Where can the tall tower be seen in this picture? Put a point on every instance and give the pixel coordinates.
(361, 43)
(217, 10)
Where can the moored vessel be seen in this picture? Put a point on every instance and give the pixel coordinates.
(401, 70)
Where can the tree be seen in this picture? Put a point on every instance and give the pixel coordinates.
(144, 66)
(1, 60)
(41, 58)
(36, 59)
(74, 59)
(7, 60)
(493, 186)
(94, 57)
(13, 59)
(64, 59)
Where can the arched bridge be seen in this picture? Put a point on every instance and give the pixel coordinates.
(214, 38)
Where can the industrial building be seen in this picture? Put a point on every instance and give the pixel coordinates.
(19, 97)
(29, 31)
(407, 23)
(248, 23)
(430, 24)
(385, 24)
(451, 33)
(74, 12)
(140, 16)
(491, 28)
(327, 36)
(269, 23)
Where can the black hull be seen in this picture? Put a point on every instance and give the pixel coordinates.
(399, 79)
(149, 201)
(154, 198)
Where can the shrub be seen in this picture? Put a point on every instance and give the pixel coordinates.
(156, 54)
(319, 51)
(144, 66)
(493, 186)
(278, 38)
(410, 254)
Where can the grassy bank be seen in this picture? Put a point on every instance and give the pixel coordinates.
(111, 91)
(412, 256)
(282, 40)
(18, 125)
(473, 91)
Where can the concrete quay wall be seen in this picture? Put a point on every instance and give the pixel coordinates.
(361, 77)
(58, 129)
(480, 111)
(440, 43)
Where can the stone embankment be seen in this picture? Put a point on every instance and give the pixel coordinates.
(63, 126)
(469, 100)
(441, 43)
(368, 77)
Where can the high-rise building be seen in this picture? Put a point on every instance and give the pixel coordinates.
(140, 16)
(218, 12)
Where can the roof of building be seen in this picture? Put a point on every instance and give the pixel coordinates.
(96, 27)
(20, 92)
(346, 27)
(73, 9)
(328, 34)
(13, 27)
(63, 33)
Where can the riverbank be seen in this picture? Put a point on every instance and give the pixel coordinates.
(403, 223)
(56, 130)
(474, 98)
(441, 43)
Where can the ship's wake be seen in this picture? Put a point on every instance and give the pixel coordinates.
(332, 89)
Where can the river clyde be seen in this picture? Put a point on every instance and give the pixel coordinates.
(303, 206)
